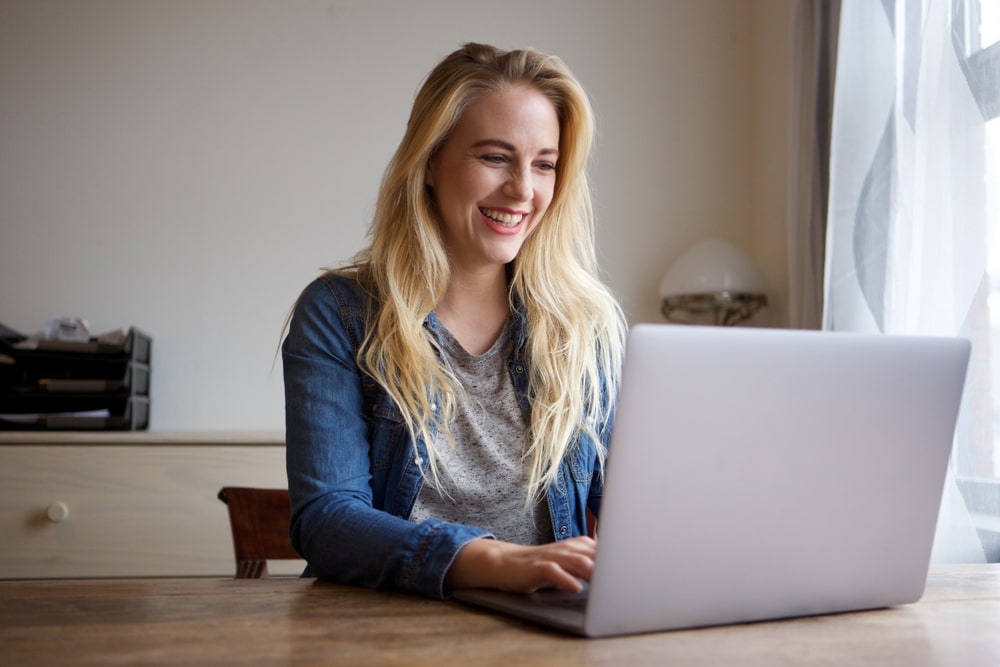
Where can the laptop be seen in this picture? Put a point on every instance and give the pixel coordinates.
(761, 474)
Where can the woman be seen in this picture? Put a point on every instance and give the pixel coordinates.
(449, 395)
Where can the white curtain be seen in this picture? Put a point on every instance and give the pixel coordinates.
(913, 212)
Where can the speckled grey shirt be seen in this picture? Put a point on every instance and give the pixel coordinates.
(488, 480)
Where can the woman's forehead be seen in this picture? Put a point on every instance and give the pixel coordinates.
(516, 114)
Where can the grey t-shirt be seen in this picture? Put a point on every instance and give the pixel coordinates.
(486, 480)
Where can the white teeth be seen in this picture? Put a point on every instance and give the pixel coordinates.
(506, 219)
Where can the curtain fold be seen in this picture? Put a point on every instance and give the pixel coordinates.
(912, 217)
(814, 53)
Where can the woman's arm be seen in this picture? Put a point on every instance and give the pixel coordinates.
(338, 524)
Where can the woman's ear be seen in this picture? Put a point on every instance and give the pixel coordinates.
(429, 174)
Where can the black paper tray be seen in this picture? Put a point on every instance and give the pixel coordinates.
(134, 381)
(61, 359)
(134, 416)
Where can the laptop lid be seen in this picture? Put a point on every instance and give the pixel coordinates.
(759, 474)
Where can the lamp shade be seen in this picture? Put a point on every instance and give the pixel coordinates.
(712, 282)
(712, 266)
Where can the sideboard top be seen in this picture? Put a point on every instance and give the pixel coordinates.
(142, 438)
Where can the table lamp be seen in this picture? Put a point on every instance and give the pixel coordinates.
(712, 283)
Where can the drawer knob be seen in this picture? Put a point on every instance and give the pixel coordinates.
(57, 512)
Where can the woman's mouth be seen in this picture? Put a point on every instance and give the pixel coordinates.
(503, 218)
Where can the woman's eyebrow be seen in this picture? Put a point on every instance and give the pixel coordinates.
(507, 146)
(497, 143)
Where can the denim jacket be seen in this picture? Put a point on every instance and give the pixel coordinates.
(354, 471)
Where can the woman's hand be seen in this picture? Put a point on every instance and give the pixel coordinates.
(487, 563)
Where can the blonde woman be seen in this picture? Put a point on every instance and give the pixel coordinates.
(449, 395)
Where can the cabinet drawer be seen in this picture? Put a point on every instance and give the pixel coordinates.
(126, 511)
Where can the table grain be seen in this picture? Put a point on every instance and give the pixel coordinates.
(293, 621)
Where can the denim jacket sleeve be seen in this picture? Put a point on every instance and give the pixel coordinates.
(343, 471)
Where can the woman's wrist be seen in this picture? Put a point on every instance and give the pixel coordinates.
(473, 564)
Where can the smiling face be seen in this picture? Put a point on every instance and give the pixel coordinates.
(494, 177)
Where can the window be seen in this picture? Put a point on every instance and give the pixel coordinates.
(976, 35)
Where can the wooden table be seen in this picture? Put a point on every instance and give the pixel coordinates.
(303, 622)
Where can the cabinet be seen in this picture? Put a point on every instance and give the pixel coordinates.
(136, 504)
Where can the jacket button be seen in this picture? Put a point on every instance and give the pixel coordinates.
(519, 368)
(563, 530)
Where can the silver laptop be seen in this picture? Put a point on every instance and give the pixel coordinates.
(763, 474)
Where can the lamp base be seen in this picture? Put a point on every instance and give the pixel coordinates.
(718, 308)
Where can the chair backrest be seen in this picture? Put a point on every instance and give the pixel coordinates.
(260, 519)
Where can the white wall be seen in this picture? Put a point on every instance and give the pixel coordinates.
(188, 166)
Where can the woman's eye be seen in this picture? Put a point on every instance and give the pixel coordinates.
(493, 159)
(546, 166)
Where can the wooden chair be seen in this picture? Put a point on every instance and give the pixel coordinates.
(260, 519)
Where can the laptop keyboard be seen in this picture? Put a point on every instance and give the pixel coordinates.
(563, 599)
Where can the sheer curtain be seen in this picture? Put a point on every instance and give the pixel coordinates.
(913, 211)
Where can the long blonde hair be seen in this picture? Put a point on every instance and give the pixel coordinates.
(576, 328)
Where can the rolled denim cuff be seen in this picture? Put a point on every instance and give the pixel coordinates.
(435, 553)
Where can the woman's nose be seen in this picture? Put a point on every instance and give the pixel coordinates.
(518, 185)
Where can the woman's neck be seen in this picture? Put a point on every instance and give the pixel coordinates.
(475, 308)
